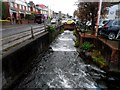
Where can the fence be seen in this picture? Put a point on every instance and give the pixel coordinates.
(17, 38)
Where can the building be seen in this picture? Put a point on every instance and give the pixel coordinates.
(18, 10)
(43, 10)
(5, 10)
(50, 13)
(34, 8)
(55, 14)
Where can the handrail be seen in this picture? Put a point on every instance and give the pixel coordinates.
(21, 36)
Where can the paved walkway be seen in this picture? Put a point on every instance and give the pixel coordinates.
(17, 25)
(13, 29)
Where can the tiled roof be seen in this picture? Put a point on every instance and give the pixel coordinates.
(42, 6)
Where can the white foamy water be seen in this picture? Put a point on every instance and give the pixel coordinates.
(64, 42)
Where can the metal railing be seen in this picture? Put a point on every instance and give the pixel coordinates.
(20, 37)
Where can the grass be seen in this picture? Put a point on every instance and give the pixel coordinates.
(96, 56)
(74, 32)
(4, 20)
(86, 46)
(76, 43)
(99, 59)
(77, 40)
(62, 31)
(51, 29)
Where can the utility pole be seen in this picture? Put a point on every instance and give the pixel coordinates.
(98, 17)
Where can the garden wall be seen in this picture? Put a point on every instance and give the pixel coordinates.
(112, 55)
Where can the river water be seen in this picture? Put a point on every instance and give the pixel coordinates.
(62, 68)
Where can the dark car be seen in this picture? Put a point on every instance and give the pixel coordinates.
(111, 29)
(39, 18)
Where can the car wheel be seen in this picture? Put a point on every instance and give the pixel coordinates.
(111, 36)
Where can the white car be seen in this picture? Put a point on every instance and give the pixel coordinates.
(53, 21)
(64, 21)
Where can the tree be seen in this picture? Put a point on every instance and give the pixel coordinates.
(4, 9)
(0, 9)
(87, 11)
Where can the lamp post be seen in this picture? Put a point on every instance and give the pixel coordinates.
(98, 17)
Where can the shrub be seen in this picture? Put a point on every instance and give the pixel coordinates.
(99, 59)
(4, 20)
(62, 31)
(50, 29)
(76, 43)
(74, 32)
(86, 46)
(29, 17)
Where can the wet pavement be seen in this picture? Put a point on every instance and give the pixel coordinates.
(18, 28)
(61, 67)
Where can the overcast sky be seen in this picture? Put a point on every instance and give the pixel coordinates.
(66, 6)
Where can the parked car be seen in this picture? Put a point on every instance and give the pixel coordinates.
(64, 20)
(70, 24)
(39, 18)
(111, 29)
(102, 22)
(70, 21)
(54, 21)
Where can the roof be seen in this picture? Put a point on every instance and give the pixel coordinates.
(42, 6)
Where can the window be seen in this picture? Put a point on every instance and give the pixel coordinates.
(11, 4)
(119, 22)
(29, 8)
(33, 9)
(16, 5)
(23, 7)
(116, 23)
(20, 6)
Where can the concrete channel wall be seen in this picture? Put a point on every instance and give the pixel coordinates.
(18, 60)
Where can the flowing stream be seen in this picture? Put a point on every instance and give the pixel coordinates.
(61, 67)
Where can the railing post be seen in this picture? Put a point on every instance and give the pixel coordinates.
(45, 26)
(32, 34)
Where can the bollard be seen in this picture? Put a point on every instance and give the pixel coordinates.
(32, 34)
